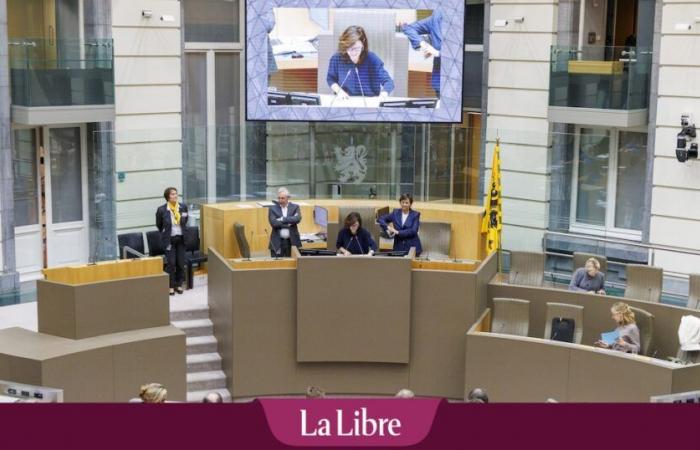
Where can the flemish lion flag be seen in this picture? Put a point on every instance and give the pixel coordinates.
(491, 223)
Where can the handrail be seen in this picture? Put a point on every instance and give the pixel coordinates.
(126, 250)
(667, 248)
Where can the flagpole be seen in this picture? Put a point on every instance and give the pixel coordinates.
(499, 256)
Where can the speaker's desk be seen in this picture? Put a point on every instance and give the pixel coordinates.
(218, 220)
(352, 325)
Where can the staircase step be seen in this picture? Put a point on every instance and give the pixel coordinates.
(201, 344)
(203, 381)
(197, 396)
(189, 313)
(196, 327)
(203, 362)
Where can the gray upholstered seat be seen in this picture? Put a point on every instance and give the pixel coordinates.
(645, 323)
(511, 316)
(435, 239)
(581, 258)
(526, 268)
(644, 282)
(694, 291)
(564, 311)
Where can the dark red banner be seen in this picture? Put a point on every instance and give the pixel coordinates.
(243, 426)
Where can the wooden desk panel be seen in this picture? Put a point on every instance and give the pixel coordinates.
(105, 271)
(218, 220)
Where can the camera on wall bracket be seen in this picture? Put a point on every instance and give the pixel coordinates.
(685, 147)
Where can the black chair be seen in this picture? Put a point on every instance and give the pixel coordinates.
(192, 253)
(154, 243)
(133, 241)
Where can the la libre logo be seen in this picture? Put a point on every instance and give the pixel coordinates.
(357, 424)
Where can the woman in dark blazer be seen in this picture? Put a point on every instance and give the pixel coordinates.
(171, 221)
(353, 239)
(402, 224)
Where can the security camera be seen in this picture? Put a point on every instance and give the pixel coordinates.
(687, 134)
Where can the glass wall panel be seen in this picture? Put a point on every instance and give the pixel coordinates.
(592, 176)
(66, 178)
(631, 172)
(228, 115)
(211, 20)
(194, 134)
(25, 178)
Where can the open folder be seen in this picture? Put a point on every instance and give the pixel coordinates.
(610, 337)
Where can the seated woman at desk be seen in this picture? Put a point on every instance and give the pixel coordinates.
(588, 278)
(354, 70)
(402, 224)
(353, 239)
(628, 333)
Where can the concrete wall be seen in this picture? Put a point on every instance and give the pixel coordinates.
(676, 187)
(518, 97)
(147, 72)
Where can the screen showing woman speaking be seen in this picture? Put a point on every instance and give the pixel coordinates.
(355, 61)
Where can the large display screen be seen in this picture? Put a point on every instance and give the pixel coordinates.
(354, 60)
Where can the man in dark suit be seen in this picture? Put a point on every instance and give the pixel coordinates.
(284, 217)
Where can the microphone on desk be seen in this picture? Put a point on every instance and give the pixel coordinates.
(362, 91)
(341, 85)
(275, 250)
(514, 277)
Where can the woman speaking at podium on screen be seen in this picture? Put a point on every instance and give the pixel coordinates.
(402, 224)
(356, 71)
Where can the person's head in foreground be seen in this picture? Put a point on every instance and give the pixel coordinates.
(213, 397)
(622, 314)
(353, 45)
(405, 393)
(477, 395)
(315, 392)
(153, 393)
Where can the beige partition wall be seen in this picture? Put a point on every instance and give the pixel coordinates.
(255, 322)
(353, 309)
(104, 330)
(596, 313)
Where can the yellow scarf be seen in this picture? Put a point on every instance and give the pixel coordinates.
(175, 208)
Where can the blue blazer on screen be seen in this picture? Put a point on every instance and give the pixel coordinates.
(408, 232)
(370, 77)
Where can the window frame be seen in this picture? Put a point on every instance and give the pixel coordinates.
(609, 229)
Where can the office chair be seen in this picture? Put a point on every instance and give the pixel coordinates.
(526, 268)
(435, 238)
(154, 244)
(694, 291)
(241, 240)
(132, 240)
(644, 282)
(564, 311)
(193, 255)
(645, 323)
(511, 316)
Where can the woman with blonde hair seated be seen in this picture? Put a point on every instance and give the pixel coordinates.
(153, 393)
(588, 278)
(627, 331)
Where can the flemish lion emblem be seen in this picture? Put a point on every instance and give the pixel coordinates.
(351, 164)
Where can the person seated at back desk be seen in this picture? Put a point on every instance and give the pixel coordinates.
(402, 224)
(353, 239)
(588, 279)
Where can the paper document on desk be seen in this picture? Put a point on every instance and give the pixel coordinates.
(610, 337)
